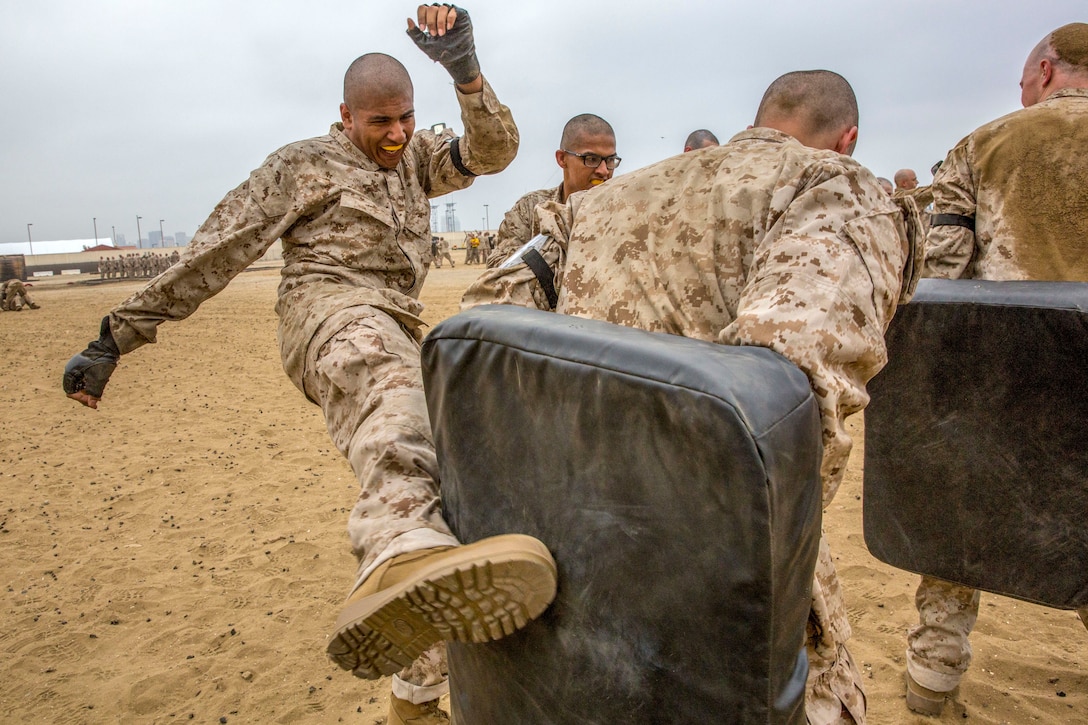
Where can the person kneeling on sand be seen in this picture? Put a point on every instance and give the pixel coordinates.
(14, 296)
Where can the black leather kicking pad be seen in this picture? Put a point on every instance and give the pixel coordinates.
(976, 439)
(676, 482)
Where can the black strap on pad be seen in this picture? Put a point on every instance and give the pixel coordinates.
(543, 273)
(952, 220)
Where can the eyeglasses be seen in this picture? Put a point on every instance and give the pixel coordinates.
(594, 160)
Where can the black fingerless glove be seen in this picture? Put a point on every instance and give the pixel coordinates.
(90, 370)
(455, 50)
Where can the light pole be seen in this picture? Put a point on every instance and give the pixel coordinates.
(162, 237)
(30, 224)
(487, 219)
(95, 220)
(113, 237)
(139, 242)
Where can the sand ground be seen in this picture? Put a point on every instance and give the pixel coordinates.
(179, 555)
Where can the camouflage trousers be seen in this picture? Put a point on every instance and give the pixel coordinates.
(443, 255)
(369, 384)
(15, 297)
(938, 647)
(834, 694)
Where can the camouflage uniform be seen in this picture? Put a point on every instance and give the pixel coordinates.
(356, 240)
(468, 248)
(923, 199)
(14, 296)
(443, 253)
(765, 242)
(1022, 179)
(519, 224)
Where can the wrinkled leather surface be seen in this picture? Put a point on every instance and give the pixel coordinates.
(976, 439)
(675, 481)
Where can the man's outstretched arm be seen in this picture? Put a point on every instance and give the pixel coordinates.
(239, 231)
(86, 374)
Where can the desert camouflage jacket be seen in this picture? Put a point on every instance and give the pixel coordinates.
(519, 225)
(1022, 179)
(353, 233)
(759, 242)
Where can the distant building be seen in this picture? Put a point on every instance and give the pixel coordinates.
(180, 239)
(52, 246)
(154, 239)
(119, 240)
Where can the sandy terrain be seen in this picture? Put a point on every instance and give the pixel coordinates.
(179, 555)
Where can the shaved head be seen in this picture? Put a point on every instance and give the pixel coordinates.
(700, 139)
(375, 75)
(906, 179)
(378, 113)
(585, 136)
(584, 125)
(813, 106)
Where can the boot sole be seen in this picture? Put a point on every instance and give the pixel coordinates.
(475, 593)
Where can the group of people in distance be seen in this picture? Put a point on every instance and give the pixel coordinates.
(814, 273)
(134, 264)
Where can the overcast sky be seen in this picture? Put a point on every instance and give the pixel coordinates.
(116, 109)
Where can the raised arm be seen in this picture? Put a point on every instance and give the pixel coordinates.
(490, 141)
(444, 33)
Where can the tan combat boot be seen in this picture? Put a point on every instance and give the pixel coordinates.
(473, 593)
(923, 700)
(403, 712)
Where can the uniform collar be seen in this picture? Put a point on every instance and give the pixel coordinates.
(1070, 93)
(764, 134)
(336, 131)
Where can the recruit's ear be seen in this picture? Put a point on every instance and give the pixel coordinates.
(847, 141)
